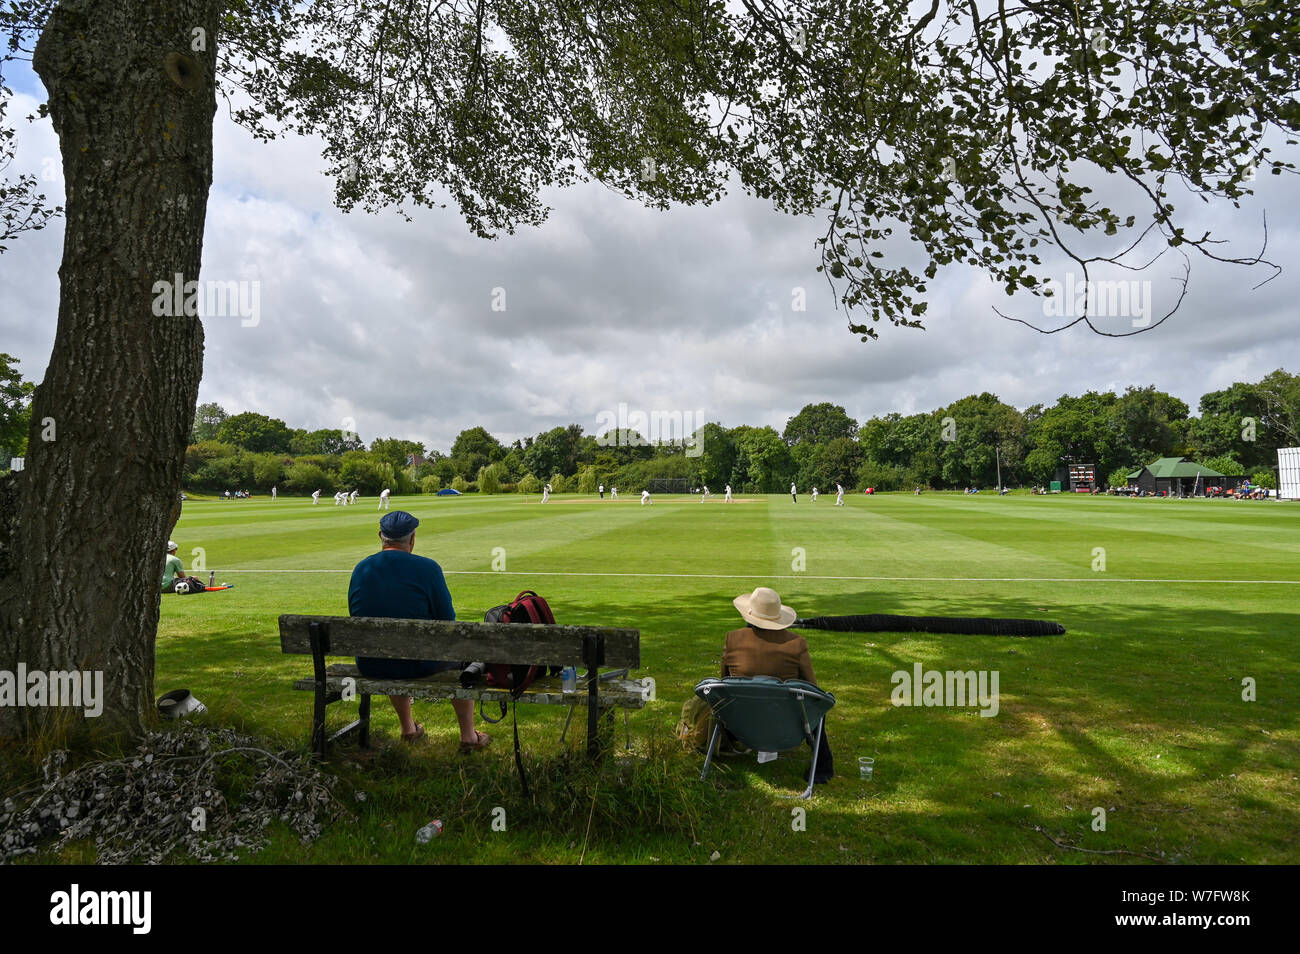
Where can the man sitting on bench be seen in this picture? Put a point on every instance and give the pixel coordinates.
(396, 584)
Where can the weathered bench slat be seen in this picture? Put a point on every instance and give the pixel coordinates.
(618, 693)
(513, 643)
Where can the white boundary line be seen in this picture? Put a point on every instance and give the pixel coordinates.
(805, 576)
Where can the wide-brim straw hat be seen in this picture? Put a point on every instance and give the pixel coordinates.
(763, 609)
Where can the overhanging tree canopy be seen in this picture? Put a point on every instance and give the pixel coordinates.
(976, 131)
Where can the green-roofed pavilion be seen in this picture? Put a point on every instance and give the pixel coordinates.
(1179, 477)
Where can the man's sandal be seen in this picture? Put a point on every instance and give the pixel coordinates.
(414, 736)
(481, 742)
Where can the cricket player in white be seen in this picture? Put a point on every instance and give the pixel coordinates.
(728, 497)
(645, 498)
(613, 493)
(814, 495)
(383, 500)
(706, 494)
(546, 493)
(352, 498)
(315, 498)
(793, 495)
(839, 496)
(272, 493)
(339, 498)
(601, 488)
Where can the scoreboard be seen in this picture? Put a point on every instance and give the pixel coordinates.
(1083, 477)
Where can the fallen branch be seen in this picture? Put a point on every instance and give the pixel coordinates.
(1096, 851)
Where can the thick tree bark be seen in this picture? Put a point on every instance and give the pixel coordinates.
(132, 100)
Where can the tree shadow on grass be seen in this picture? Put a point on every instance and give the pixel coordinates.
(1137, 707)
(1080, 721)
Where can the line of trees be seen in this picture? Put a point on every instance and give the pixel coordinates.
(967, 443)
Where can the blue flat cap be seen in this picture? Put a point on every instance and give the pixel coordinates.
(397, 524)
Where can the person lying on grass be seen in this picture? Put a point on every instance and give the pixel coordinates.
(396, 584)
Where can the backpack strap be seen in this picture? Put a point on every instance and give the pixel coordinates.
(536, 610)
(487, 718)
(519, 761)
(529, 677)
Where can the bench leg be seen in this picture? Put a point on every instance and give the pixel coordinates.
(363, 716)
(318, 738)
(600, 731)
(593, 713)
(605, 730)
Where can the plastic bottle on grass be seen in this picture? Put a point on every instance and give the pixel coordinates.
(425, 834)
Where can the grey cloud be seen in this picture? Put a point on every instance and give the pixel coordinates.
(390, 322)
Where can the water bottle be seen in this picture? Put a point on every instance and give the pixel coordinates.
(569, 679)
(212, 578)
(425, 834)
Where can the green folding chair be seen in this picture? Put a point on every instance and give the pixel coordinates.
(767, 715)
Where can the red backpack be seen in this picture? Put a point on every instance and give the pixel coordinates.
(527, 607)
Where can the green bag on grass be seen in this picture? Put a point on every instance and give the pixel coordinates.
(696, 725)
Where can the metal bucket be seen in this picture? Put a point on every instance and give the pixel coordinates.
(179, 703)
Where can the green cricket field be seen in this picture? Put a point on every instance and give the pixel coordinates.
(1161, 728)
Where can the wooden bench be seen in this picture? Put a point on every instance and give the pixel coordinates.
(588, 647)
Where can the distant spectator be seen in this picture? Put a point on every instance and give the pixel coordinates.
(171, 569)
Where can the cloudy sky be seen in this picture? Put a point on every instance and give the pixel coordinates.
(390, 325)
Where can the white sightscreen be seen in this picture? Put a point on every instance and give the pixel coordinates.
(1288, 465)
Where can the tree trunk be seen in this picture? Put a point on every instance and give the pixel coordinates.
(132, 98)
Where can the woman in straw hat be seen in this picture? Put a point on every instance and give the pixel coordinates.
(766, 647)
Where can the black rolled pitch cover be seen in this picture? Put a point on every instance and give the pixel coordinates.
(961, 625)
